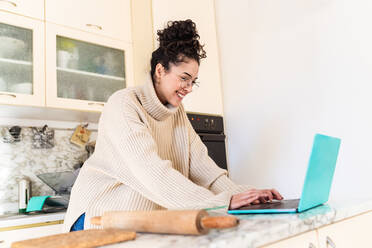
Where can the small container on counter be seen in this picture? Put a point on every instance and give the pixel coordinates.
(24, 194)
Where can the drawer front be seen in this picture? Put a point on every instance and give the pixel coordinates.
(305, 240)
(353, 232)
(8, 237)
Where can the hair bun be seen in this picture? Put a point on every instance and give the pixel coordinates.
(178, 31)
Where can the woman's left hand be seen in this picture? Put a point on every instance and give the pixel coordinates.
(272, 194)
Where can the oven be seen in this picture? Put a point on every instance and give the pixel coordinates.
(210, 129)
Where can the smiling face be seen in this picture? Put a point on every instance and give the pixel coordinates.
(173, 85)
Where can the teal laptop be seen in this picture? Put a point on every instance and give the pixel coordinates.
(317, 184)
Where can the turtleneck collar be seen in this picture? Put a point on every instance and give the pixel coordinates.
(152, 104)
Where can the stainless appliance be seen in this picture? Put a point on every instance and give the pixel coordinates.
(211, 131)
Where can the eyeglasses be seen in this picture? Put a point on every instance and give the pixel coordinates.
(187, 82)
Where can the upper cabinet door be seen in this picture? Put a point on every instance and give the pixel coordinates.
(31, 8)
(22, 80)
(84, 69)
(111, 18)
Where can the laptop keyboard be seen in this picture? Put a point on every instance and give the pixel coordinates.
(284, 204)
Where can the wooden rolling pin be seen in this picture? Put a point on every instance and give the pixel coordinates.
(78, 239)
(164, 221)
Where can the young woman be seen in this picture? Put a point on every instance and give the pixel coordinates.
(147, 155)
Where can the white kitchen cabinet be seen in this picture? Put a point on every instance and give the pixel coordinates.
(352, 232)
(208, 98)
(110, 18)
(7, 237)
(305, 240)
(22, 80)
(84, 69)
(105, 24)
(34, 8)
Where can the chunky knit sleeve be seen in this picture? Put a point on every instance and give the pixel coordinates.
(135, 162)
(205, 172)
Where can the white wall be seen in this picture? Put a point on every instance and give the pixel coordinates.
(290, 69)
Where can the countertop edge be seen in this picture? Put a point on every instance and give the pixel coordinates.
(27, 221)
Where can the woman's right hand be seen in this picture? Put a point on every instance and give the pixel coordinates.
(254, 196)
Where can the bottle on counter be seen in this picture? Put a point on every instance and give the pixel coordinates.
(24, 194)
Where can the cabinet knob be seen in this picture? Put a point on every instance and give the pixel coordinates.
(94, 26)
(6, 94)
(330, 242)
(10, 2)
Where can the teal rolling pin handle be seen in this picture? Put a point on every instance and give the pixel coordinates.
(36, 203)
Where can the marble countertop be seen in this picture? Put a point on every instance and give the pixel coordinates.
(253, 230)
(257, 230)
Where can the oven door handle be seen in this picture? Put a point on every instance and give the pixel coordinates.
(212, 137)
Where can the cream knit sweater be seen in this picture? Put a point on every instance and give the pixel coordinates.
(147, 157)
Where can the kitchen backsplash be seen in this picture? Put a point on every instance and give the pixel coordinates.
(20, 160)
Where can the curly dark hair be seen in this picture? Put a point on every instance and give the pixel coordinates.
(179, 40)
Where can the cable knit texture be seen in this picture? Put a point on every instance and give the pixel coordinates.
(147, 157)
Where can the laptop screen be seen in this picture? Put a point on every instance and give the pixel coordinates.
(320, 171)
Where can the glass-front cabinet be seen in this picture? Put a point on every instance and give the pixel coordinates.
(21, 61)
(86, 71)
(83, 69)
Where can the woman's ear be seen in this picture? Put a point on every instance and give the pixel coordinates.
(159, 71)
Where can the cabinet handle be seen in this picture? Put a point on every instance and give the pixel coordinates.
(94, 26)
(6, 94)
(330, 242)
(96, 103)
(311, 245)
(10, 2)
